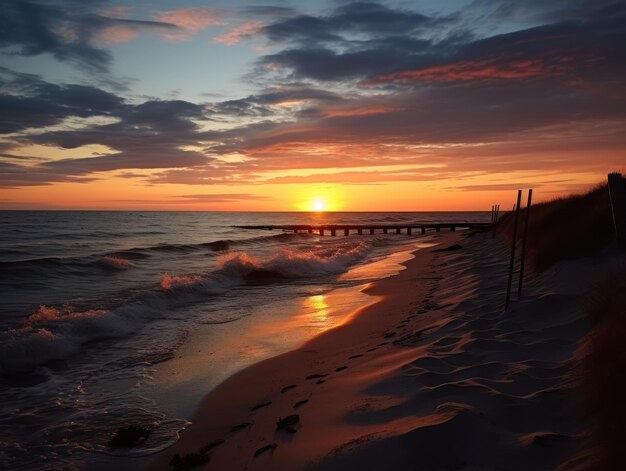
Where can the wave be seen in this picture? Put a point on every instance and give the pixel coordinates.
(58, 332)
(124, 259)
(116, 262)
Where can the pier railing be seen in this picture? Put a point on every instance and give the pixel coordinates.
(360, 229)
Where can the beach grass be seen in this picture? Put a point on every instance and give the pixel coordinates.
(566, 228)
(603, 368)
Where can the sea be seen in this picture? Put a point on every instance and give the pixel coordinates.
(113, 318)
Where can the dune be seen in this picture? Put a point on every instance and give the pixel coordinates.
(434, 376)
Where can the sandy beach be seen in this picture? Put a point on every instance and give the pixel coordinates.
(434, 375)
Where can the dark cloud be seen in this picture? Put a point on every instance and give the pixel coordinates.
(542, 11)
(15, 176)
(149, 135)
(367, 18)
(462, 112)
(593, 43)
(260, 104)
(327, 65)
(27, 101)
(68, 30)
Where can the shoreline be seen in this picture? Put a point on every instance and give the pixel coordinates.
(205, 359)
(356, 339)
(433, 375)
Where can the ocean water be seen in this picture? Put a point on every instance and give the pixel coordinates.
(116, 318)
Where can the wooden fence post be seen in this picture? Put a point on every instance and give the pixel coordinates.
(617, 193)
(514, 240)
(524, 236)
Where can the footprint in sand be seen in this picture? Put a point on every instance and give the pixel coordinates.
(287, 388)
(341, 368)
(299, 404)
(371, 350)
(388, 335)
(355, 356)
(271, 447)
(317, 375)
(261, 405)
(288, 424)
(241, 426)
(382, 343)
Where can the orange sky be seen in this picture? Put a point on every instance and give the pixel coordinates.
(358, 106)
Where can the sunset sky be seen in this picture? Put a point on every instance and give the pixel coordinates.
(276, 104)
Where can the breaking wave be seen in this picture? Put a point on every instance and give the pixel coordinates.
(58, 332)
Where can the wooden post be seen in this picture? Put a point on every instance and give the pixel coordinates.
(453, 228)
(321, 231)
(359, 231)
(494, 220)
(384, 230)
(423, 230)
(514, 240)
(333, 232)
(524, 236)
(408, 230)
(398, 230)
(310, 231)
(346, 232)
(438, 229)
(618, 205)
(371, 231)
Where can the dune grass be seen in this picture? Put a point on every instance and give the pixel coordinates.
(603, 369)
(566, 228)
(574, 227)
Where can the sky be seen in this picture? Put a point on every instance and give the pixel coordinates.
(278, 105)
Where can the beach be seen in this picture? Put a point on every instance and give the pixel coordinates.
(110, 320)
(433, 375)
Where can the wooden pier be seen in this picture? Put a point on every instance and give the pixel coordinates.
(371, 229)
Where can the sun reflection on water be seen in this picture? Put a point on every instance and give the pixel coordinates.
(318, 305)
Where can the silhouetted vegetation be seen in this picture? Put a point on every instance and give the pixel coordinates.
(566, 228)
(603, 369)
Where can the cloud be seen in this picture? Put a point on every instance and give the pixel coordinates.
(265, 102)
(360, 90)
(70, 31)
(154, 134)
(271, 11)
(219, 198)
(318, 48)
(235, 35)
(189, 21)
(75, 32)
(29, 102)
(354, 18)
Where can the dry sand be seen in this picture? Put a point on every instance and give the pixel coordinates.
(433, 376)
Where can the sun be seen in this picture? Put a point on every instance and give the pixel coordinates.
(319, 205)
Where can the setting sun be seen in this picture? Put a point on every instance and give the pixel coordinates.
(319, 205)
